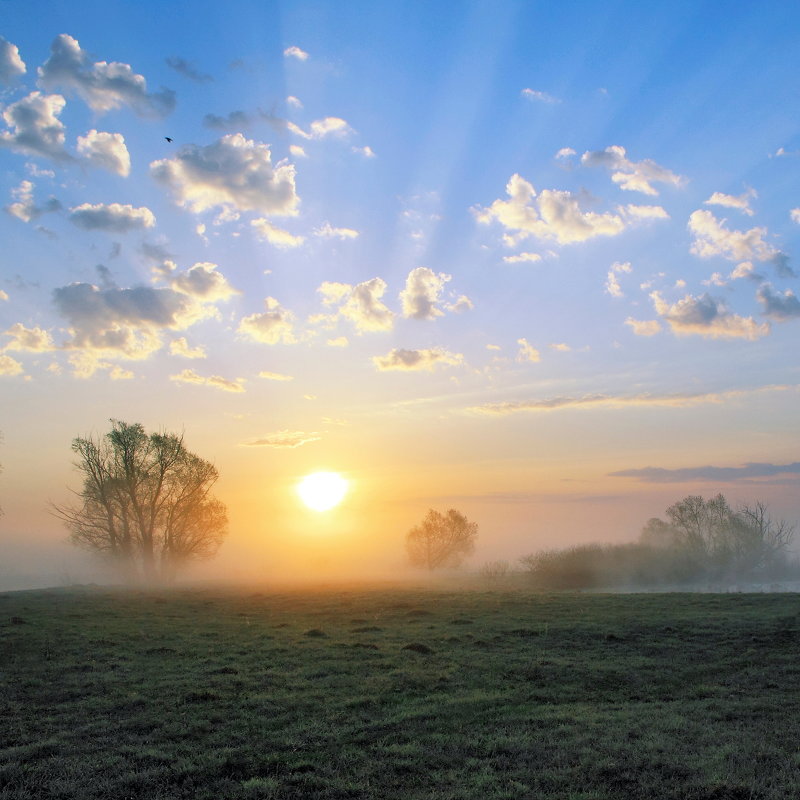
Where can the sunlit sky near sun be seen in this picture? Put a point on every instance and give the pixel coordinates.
(536, 261)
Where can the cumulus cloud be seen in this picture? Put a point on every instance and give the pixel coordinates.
(415, 360)
(187, 69)
(527, 352)
(565, 152)
(521, 258)
(552, 215)
(202, 281)
(632, 176)
(180, 347)
(284, 439)
(712, 238)
(327, 231)
(34, 126)
(268, 232)
(273, 326)
(24, 207)
(779, 306)
(742, 202)
(106, 150)
(612, 279)
(643, 327)
(275, 376)
(541, 97)
(421, 294)
(215, 381)
(295, 52)
(103, 86)
(112, 218)
(610, 401)
(748, 472)
(745, 270)
(707, 316)
(360, 304)
(11, 65)
(125, 322)
(33, 340)
(461, 304)
(233, 172)
(9, 366)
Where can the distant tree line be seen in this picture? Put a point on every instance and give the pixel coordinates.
(700, 541)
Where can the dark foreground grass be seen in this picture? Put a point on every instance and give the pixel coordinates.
(405, 694)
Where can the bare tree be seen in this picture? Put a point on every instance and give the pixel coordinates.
(441, 540)
(146, 501)
(494, 571)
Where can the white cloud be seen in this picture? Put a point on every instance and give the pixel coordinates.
(605, 401)
(745, 270)
(779, 306)
(642, 327)
(551, 215)
(708, 317)
(203, 282)
(11, 65)
(612, 280)
(339, 341)
(742, 202)
(716, 279)
(566, 152)
(233, 172)
(9, 366)
(327, 231)
(293, 101)
(103, 86)
(24, 207)
(415, 360)
(295, 52)
(297, 151)
(632, 176)
(561, 347)
(794, 214)
(365, 151)
(35, 128)
(360, 304)
(522, 257)
(3, 296)
(461, 304)
(421, 293)
(330, 126)
(275, 376)
(180, 347)
(274, 326)
(33, 340)
(712, 238)
(113, 218)
(542, 97)
(106, 150)
(268, 232)
(527, 352)
(643, 212)
(215, 381)
(285, 439)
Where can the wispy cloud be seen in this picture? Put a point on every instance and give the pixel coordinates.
(215, 381)
(711, 474)
(284, 439)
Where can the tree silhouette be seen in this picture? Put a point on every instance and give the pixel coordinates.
(146, 502)
(441, 540)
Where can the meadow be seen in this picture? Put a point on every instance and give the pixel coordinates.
(212, 694)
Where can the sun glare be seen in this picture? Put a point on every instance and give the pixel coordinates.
(321, 491)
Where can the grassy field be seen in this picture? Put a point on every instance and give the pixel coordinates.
(409, 694)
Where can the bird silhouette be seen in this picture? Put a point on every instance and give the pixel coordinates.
(168, 139)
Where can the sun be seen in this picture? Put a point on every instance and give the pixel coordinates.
(321, 491)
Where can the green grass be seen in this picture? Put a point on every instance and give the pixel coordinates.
(223, 696)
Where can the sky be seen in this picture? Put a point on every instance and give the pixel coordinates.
(534, 261)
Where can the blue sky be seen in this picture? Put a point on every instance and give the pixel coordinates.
(484, 254)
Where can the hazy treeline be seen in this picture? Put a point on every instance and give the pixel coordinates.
(701, 541)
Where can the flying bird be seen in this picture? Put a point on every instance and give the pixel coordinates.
(168, 139)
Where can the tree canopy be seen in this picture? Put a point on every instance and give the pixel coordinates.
(146, 501)
(441, 540)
